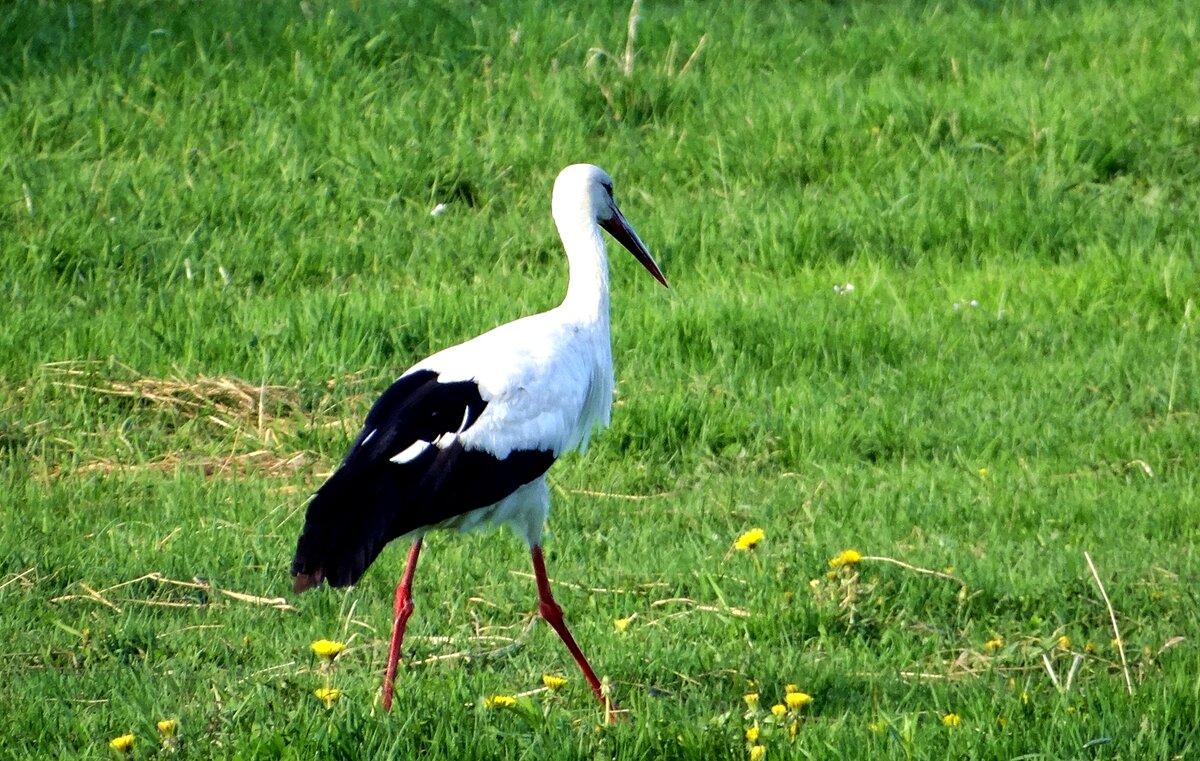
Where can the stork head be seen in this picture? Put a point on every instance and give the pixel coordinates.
(584, 193)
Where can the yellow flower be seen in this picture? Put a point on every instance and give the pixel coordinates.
(122, 744)
(757, 752)
(499, 701)
(992, 645)
(797, 700)
(752, 734)
(951, 720)
(327, 695)
(1089, 648)
(327, 648)
(790, 688)
(750, 539)
(751, 701)
(553, 682)
(845, 557)
(167, 727)
(779, 709)
(1064, 642)
(983, 472)
(622, 623)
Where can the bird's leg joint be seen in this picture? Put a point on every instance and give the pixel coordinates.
(404, 603)
(550, 610)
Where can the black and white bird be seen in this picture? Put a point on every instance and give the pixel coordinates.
(464, 438)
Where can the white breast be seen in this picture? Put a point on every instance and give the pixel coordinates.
(548, 383)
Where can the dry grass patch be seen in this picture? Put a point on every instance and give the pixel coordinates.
(221, 425)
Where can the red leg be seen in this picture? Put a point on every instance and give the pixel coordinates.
(403, 609)
(550, 610)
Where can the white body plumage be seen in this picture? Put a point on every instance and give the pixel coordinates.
(548, 383)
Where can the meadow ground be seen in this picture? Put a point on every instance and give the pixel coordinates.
(217, 248)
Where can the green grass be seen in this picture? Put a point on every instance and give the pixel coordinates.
(216, 249)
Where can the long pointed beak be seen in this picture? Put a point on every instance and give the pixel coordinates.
(619, 227)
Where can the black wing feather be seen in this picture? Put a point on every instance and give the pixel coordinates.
(371, 500)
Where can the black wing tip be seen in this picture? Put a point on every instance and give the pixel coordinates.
(302, 582)
(333, 569)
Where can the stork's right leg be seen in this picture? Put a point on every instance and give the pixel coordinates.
(550, 610)
(403, 609)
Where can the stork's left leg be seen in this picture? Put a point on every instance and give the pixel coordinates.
(403, 609)
(550, 610)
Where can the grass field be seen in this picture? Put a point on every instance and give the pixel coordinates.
(216, 248)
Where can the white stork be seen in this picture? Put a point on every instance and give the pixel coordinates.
(465, 437)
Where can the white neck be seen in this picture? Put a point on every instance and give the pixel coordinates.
(587, 293)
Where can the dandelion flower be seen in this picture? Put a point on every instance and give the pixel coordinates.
(779, 709)
(327, 648)
(983, 472)
(167, 727)
(1064, 642)
(622, 623)
(757, 752)
(790, 688)
(844, 558)
(992, 645)
(751, 700)
(327, 695)
(797, 700)
(1089, 648)
(750, 539)
(499, 701)
(951, 720)
(553, 682)
(752, 734)
(122, 744)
